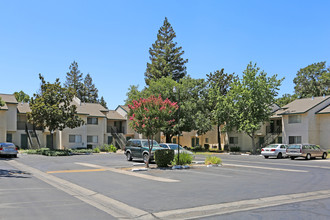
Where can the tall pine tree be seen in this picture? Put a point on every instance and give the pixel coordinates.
(165, 56)
(90, 92)
(74, 79)
(103, 103)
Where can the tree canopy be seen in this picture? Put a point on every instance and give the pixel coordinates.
(22, 96)
(52, 107)
(166, 58)
(286, 99)
(313, 80)
(2, 103)
(90, 92)
(250, 100)
(74, 80)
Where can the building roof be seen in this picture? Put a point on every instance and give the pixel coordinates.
(325, 110)
(300, 106)
(112, 114)
(23, 107)
(8, 99)
(91, 109)
(124, 107)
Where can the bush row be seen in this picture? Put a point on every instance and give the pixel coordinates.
(165, 157)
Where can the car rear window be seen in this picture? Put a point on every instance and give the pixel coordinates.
(294, 147)
(272, 146)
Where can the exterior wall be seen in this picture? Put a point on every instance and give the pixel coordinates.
(62, 140)
(12, 117)
(98, 130)
(295, 129)
(3, 125)
(324, 121)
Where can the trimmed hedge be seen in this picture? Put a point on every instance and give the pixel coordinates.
(164, 157)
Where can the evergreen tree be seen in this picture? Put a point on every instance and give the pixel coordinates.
(103, 103)
(2, 103)
(90, 92)
(22, 96)
(74, 79)
(165, 56)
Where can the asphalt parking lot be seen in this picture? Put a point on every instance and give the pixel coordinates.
(101, 186)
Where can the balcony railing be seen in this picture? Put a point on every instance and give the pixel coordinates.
(112, 129)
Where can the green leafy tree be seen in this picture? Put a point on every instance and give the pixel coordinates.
(219, 85)
(103, 103)
(51, 108)
(74, 79)
(2, 103)
(194, 113)
(166, 58)
(90, 92)
(313, 80)
(149, 116)
(286, 99)
(250, 100)
(22, 96)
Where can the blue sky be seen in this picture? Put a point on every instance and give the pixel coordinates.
(110, 39)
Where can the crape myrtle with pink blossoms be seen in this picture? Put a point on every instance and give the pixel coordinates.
(149, 115)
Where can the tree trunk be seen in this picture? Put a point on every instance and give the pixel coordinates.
(52, 140)
(253, 144)
(219, 136)
(147, 162)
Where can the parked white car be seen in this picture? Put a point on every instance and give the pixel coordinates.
(274, 150)
(175, 148)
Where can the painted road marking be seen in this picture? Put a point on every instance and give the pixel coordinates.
(266, 168)
(75, 171)
(239, 206)
(140, 175)
(281, 164)
(113, 207)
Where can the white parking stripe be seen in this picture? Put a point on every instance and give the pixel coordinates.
(239, 206)
(266, 168)
(113, 207)
(281, 164)
(140, 175)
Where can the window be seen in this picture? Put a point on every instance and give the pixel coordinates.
(294, 119)
(74, 138)
(233, 140)
(92, 139)
(9, 138)
(92, 121)
(194, 141)
(207, 140)
(294, 139)
(174, 140)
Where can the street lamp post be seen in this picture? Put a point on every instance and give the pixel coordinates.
(174, 90)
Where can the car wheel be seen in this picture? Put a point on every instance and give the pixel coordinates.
(292, 158)
(308, 157)
(266, 157)
(279, 156)
(145, 158)
(15, 155)
(324, 156)
(128, 156)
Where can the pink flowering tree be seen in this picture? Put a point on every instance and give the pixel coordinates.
(148, 116)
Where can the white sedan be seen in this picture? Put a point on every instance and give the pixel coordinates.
(175, 148)
(274, 150)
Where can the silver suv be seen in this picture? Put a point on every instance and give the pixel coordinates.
(305, 150)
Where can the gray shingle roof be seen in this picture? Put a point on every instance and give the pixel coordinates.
(23, 107)
(300, 106)
(8, 99)
(112, 114)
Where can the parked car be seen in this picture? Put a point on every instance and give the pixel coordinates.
(274, 150)
(307, 151)
(175, 148)
(8, 149)
(138, 148)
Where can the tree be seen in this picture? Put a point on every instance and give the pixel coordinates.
(89, 92)
(286, 99)
(74, 80)
(250, 100)
(22, 96)
(2, 103)
(194, 114)
(219, 85)
(149, 116)
(313, 80)
(166, 58)
(103, 103)
(52, 109)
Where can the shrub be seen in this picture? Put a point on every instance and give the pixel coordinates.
(226, 147)
(197, 149)
(206, 146)
(212, 160)
(96, 150)
(235, 149)
(164, 157)
(184, 159)
(108, 148)
(81, 151)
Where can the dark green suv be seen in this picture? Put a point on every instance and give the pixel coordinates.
(138, 148)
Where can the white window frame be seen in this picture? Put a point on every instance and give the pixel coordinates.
(296, 139)
(77, 138)
(95, 139)
(294, 119)
(235, 140)
(92, 121)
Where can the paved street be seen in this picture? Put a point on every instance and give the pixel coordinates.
(101, 186)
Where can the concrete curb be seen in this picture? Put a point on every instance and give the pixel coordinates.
(139, 169)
